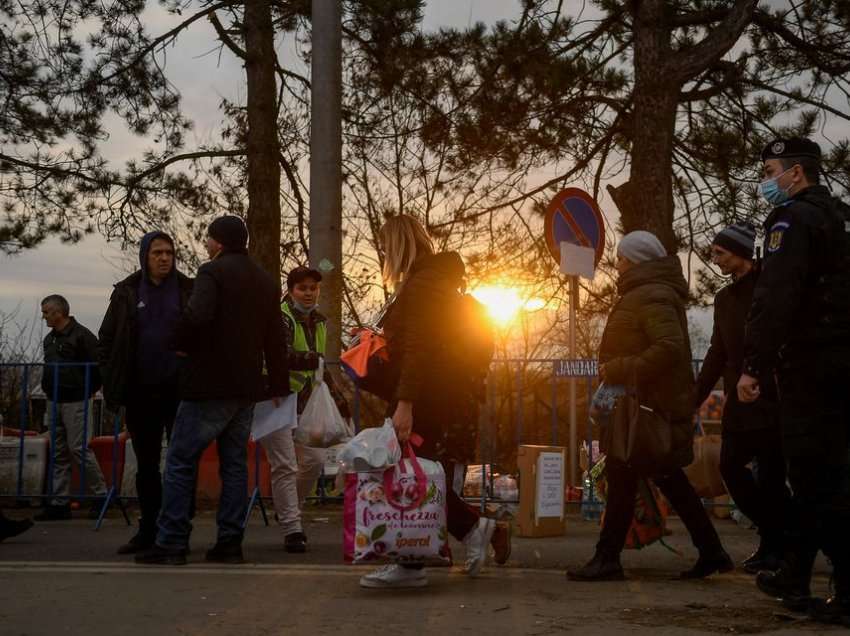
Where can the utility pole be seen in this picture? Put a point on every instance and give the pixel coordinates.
(326, 163)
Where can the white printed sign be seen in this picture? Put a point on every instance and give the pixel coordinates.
(550, 486)
(577, 260)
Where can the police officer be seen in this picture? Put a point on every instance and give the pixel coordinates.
(799, 330)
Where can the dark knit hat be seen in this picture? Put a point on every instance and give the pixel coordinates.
(302, 273)
(738, 239)
(230, 231)
(791, 147)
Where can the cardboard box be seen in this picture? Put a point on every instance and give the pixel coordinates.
(542, 471)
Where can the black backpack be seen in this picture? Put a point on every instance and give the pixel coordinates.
(474, 337)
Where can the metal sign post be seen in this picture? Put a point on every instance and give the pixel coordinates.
(575, 234)
(572, 394)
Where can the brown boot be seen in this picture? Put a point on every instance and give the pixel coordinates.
(501, 543)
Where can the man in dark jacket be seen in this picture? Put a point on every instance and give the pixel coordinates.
(798, 331)
(231, 328)
(139, 368)
(750, 431)
(69, 381)
(646, 343)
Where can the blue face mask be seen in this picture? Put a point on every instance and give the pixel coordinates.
(771, 191)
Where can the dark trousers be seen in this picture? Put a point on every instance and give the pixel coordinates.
(150, 411)
(620, 509)
(462, 518)
(815, 418)
(763, 497)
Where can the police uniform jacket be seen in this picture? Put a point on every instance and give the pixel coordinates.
(801, 303)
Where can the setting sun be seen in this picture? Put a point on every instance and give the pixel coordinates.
(504, 303)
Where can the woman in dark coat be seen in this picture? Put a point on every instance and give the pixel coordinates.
(646, 341)
(435, 396)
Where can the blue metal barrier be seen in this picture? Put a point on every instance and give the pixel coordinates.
(24, 425)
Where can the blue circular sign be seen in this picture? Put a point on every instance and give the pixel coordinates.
(574, 217)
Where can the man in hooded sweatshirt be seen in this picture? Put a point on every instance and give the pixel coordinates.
(140, 371)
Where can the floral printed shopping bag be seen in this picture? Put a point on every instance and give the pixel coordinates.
(397, 514)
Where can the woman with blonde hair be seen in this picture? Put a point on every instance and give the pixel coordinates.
(435, 395)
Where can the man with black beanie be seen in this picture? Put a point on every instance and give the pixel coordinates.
(231, 329)
(139, 368)
(750, 431)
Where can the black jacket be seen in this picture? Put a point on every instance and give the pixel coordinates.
(118, 337)
(75, 343)
(418, 327)
(801, 304)
(646, 340)
(230, 330)
(725, 358)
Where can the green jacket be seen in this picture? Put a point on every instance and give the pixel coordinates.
(307, 337)
(646, 339)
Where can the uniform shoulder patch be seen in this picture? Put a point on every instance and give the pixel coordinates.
(775, 235)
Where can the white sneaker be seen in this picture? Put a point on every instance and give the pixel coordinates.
(477, 544)
(394, 576)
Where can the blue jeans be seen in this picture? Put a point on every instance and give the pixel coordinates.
(197, 424)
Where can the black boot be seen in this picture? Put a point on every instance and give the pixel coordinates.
(54, 513)
(142, 540)
(836, 609)
(157, 555)
(12, 527)
(766, 558)
(600, 568)
(792, 590)
(226, 551)
(717, 562)
(295, 542)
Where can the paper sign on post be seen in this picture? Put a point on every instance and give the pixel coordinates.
(550, 486)
(577, 260)
(268, 418)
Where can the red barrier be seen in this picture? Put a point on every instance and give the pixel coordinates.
(209, 482)
(102, 449)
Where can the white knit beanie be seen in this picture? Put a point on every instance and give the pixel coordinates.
(641, 246)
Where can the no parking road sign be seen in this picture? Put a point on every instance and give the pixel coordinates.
(573, 217)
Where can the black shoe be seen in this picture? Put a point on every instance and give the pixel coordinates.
(599, 568)
(226, 552)
(717, 563)
(157, 555)
(834, 610)
(295, 542)
(54, 513)
(794, 593)
(762, 560)
(13, 527)
(139, 543)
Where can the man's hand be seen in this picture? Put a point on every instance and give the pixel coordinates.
(748, 388)
(278, 402)
(403, 420)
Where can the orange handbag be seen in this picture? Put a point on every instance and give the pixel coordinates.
(367, 362)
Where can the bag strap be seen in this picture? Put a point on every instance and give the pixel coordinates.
(421, 481)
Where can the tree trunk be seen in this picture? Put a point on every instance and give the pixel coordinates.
(326, 164)
(646, 202)
(262, 140)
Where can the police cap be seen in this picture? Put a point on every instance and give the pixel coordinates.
(791, 147)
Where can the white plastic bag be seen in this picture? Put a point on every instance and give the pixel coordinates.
(371, 449)
(321, 425)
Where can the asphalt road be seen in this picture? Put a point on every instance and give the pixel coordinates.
(64, 578)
